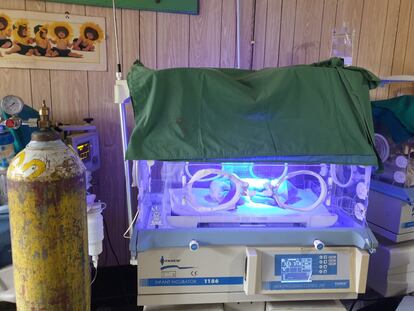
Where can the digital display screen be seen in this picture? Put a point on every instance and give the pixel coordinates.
(84, 151)
(296, 269)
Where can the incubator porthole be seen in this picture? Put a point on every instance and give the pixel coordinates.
(382, 147)
(400, 177)
(288, 191)
(359, 211)
(362, 191)
(401, 161)
(223, 191)
(342, 175)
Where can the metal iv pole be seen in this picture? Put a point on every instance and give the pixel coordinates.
(121, 95)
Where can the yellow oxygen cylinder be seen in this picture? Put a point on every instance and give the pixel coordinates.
(47, 201)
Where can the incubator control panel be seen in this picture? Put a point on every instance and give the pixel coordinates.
(252, 270)
(304, 270)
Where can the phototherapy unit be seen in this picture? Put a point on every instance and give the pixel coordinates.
(253, 185)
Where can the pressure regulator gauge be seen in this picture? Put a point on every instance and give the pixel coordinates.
(11, 104)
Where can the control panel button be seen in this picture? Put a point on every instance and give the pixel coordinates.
(193, 245)
(319, 245)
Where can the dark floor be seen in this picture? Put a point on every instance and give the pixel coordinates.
(382, 305)
(115, 289)
(4, 306)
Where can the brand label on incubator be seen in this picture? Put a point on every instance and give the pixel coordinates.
(165, 260)
(407, 224)
(209, 281)
(329, 284)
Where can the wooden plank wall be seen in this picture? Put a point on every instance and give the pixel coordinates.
(273, 33)
(289, 32)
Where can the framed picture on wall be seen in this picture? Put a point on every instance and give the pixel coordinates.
(52, 41)
(171, 6)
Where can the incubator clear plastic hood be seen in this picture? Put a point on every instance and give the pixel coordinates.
(222, 203)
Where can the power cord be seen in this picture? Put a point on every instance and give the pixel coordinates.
(94, 275)
(126, 236)
(353, 305)
(110, 243)
(124, 291)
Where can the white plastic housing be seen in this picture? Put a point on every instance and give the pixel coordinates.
(95, 231)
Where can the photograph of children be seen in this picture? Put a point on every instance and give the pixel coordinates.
(62, 35)
(90, 34)
(22, 41)
(5, 31)
(51, 41)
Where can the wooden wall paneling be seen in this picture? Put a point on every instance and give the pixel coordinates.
(287, 32)
(370, 46)
(409, 57)
(228, 34)
(372, 34)
(206, 27)
(111, 187)
(13, 4)
(273, 22)
(246, 33)
(400, 50)
(349, 14)
(172, 40)
(15, 81)
(328, 25)
(148, 38)
(40, 79)
(69, 89)
(308, 28)
(259, 34)
(35, 5)
(388, 45)
(131, 30)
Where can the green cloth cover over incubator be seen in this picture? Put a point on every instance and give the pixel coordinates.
(318, 113)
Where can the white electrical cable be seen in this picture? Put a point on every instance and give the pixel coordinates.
(322, 195)
(238, 33)
(118, 71)
(96, 273)
(122, 116)
(131, 225)
(336, 180)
